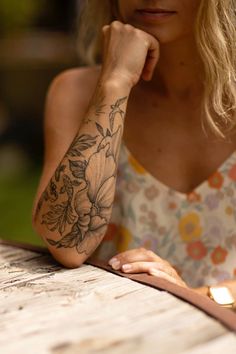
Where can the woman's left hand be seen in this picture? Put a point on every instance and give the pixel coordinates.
(142, 260)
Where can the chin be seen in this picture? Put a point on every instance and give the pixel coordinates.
(166, 40)
(164, 34)
(163, 37)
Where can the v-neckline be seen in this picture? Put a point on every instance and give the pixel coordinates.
(174, 191)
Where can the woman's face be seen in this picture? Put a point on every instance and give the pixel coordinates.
(165, 29)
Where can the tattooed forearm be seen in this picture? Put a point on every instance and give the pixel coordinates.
(97, 105)
(76, 206)
(116, 110)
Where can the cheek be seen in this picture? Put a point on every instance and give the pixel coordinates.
(188, 13)
(182, 24)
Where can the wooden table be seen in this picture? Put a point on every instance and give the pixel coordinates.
(46, 308)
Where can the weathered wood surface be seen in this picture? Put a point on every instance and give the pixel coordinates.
(49, 309)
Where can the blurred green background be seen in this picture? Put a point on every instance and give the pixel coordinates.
(37, 41)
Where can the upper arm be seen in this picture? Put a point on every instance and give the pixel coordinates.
(66, 104)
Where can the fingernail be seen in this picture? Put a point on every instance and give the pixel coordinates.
(112, 260)
(126, 267)
(115, 263)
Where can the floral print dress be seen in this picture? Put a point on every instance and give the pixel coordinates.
(195, 232)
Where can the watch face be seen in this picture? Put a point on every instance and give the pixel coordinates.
(221, 295)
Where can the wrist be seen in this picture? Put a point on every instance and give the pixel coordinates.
(202, 290)
(115, 81)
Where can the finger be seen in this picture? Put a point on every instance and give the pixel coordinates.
(163, 275)
(139, 267)
(152, 59)
(134, 255)
(105, 28)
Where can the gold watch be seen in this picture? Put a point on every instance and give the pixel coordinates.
(221, 295)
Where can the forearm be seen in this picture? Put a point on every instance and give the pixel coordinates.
(73, 212)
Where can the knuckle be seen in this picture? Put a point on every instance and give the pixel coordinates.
(116, 25)
(146, 43)
(160, 266)
(150, 254)
(172, 273)
(105, 28)
(139, 34)
(167, 263)
(138, 31)
(128, 27)
(123, 257)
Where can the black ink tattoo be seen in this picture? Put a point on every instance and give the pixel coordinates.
(78, 168)
(61, 214)
(58, 172)
(97, 105)
(116, 110)
(81, 143)
(87, 186)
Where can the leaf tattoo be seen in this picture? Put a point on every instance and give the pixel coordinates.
(100, 129)
(116, 110)
(53, 191)
(81, 143)
(60, 215)
(99, 105)
(78, 168)
(92, 204)
(58, 172)
(44, 197)
(108, 132)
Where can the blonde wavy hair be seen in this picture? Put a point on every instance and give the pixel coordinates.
(215, 34)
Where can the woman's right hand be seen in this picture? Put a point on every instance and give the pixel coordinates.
(128, 53)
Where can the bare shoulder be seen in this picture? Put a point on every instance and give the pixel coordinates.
(67, 100)
(75, 83)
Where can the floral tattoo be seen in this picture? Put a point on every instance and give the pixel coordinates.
(80, 195)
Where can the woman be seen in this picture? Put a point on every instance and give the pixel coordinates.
(140, 161)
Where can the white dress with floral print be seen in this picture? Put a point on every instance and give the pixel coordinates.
(195, 232)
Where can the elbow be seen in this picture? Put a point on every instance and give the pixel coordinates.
(66, 257)
(68, 260)
(35, 222)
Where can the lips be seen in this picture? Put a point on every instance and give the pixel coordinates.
(157, 10)
(153, 16)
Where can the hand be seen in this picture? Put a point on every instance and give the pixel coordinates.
(128, 53)
(142, 260)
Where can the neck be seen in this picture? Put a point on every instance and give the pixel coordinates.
(179, 72)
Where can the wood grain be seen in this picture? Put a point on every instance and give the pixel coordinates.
(46, 308)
